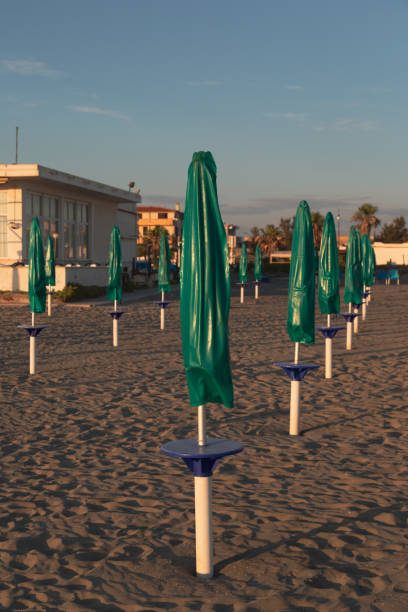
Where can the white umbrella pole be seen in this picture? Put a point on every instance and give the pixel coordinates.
(32, 347)
(162, 312)
(294, 418)
(242, 294)
(328, 353)
(349, 326)
(115, 325)
(355, 322)
(203, 511)
(364, 306)
(328, 370)
(256, 291)
(49, 300)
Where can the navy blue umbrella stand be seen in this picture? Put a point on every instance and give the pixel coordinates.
(162, 305)
(242, 285)
(296, 373)
(201, 460)
(116, 314)
(33, 331)
(349, 318)
(329, 333)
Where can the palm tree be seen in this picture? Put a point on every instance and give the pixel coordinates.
(152, 239)
(286, 232)
(269, 239)
(317, 222)
(365, 218)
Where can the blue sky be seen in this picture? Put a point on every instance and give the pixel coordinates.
(296, 100)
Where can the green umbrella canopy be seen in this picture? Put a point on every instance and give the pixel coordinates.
(258, 264)
(329, 298)
(300, 322)
(114, 289)
(353, 282)
(205, 288)
(50, 263)
(243, 264)
(164, 264)
(36, 272)
(365, 259)
(371, 256)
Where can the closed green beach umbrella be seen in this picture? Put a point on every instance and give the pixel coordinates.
(365, 259)
(164, 264)
(205, 289)
(301, 301)
(353, 279)
(243, 264)
(371, 265)
(50, 263)
(329, 298)
(114, 290)
(36, 272)
(258, 264)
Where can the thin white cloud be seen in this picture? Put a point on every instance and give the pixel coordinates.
(29, 68)
(295, 87)
(203, 83)
(347, 124)
(289, 116)
(95, 110)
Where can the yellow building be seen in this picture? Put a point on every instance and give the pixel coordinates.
(171, 219)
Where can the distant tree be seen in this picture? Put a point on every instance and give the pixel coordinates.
(269, 239)
(397, 231)
(151, 241)
(286, 231)
(255, 231)
(365, 218)
(317, 222)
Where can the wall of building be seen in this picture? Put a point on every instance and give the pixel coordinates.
(15, 278)
(103, 215)
(397, 254)
(11, 204)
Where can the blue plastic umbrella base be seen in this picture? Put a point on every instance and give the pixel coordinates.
(349, 316)
(201, 460)
(33, 330)
(330, 332)
(116, 314)
(297, 371)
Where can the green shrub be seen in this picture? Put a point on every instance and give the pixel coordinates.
(74, 293)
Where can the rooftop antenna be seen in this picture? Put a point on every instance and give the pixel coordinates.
(17, 128)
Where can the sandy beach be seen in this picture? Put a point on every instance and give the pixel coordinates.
(93, 516)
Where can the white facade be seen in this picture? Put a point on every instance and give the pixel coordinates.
(78, 213)
(396, 254)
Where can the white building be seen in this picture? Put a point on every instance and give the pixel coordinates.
(393, 253)
(79, 215)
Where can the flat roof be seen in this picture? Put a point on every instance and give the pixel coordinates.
(15, 172)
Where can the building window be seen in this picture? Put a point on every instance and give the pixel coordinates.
(76, 242)
(3, 224)
(46, 208)
(162, 216)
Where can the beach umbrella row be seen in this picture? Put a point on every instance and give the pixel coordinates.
(36, 287)
(301, 307)
(328, 287)
(49, 270)
(204, 311)
(164, 275)
(114, 289)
